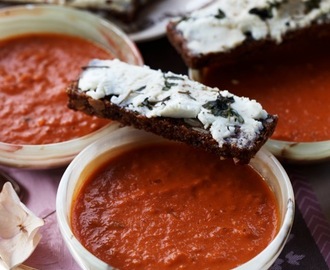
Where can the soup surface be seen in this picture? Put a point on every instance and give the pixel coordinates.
(293, 84)
(169, 206)
(35, 71)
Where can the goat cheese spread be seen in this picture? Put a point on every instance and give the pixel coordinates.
(225, 24)
(153, 93)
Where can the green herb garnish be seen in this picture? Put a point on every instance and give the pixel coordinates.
(173, 77)
(266, 12)
(140, 88)
(89, 67)
(222, 107)
(146, 103)
(150, 104)
(220, 15)
(188, 93)
(168, 84)
(165, 99)
(183, 18)
(262, 13)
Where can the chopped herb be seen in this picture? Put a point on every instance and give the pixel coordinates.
(140, 88)
(222, 107)
(146, 103)
(149, 104)
(262, 13)
(173, 77)
(188, 93)
(266, 12)
(183, 18)
(312, 4)
(248, 35)
(238, 117)
(220, 15)
(167, 84)
(88, 67)
(165, 99)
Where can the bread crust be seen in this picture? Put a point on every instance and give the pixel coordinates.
(170, 128)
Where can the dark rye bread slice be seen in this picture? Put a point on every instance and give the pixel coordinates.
(250, 48)
(185, 130)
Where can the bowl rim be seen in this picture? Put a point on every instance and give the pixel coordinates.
(17, 9)
(57, 154)
(265, 258)
(44, 156)
(277, 244)
(299, 152)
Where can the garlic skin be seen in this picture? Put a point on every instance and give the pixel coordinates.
(18, 229)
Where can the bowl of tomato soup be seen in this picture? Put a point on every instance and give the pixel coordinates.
(291, 83)
(43, 49)
(134, 200)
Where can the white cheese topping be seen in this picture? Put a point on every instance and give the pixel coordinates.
(227, 24)
(156, 94)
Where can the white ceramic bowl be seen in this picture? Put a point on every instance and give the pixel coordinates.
(286, 151)
(55, 19)
(102, 150)
(301, 152)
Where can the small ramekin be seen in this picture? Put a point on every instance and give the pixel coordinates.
(102, 150)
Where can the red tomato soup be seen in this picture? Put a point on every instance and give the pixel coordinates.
(35, 71)
(169, 206)
(293, 84)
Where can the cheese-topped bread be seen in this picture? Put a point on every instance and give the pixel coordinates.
(228, 30)
(174, 107)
